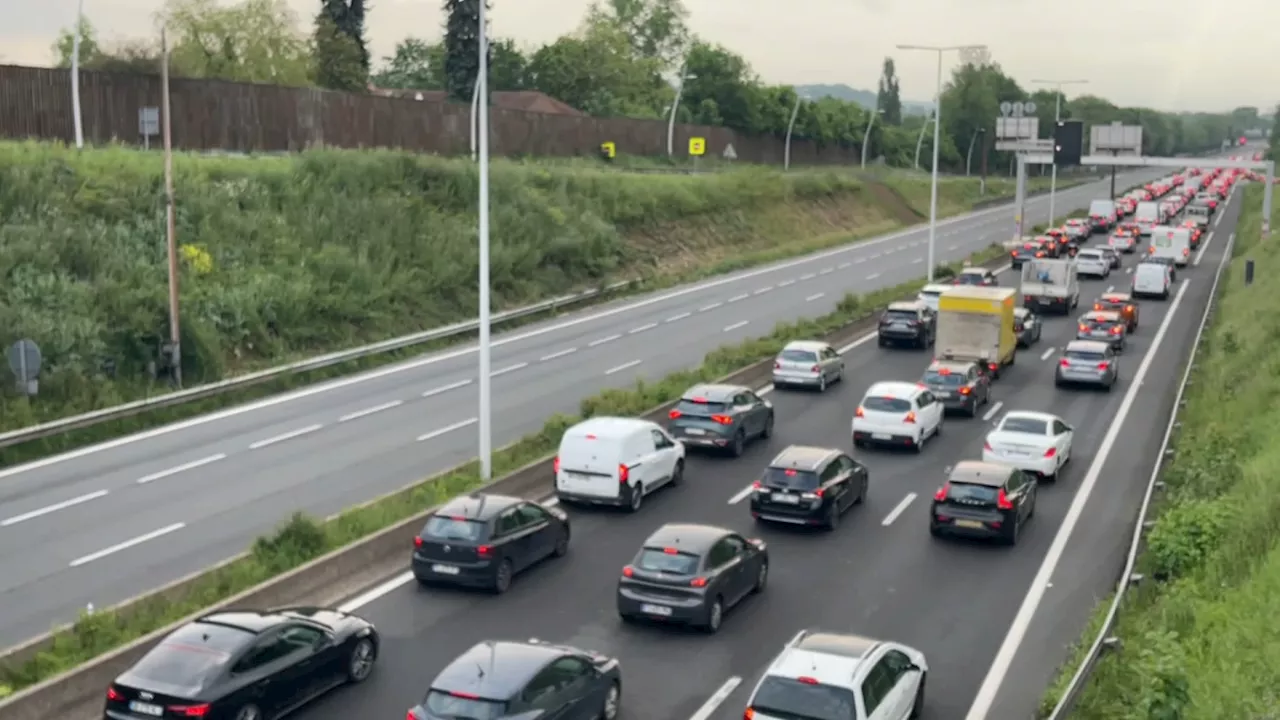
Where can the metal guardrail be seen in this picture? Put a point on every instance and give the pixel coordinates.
(55, 427)
(1104, 640)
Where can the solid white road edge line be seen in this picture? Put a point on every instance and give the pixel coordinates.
(286, 436)
(53, 508)
(713, 703)
(900, 508)
(182, 468)
(1026, 614)
(127, 544)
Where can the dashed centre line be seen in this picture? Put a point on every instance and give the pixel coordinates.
(509, 369)
(1047, 352)
(447, 429)
(445, 388)
(560, 354)
(127, 544)
(808, 276)
(182, 468)
(623, 366)
(736, 298)
(675, 318)
(815, 296)
(873, 276)
(367, 412)
(785, 283)
(285, 436)
(826, 271)
(712, 306)
(642, 328)
(603, 340)
(53, 508)
(735, 326)
(762, 290)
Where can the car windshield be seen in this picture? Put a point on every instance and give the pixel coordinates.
(802, 356)
(793, 699)
(450, 707)
(945, 378)
(444, 527)
(970, 278)
(790, 478)
(661, 561)
(1024, 425)
(192, 655)
(701, 408)
(886, 404)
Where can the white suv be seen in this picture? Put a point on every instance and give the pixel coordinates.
(897, 413)
(823, 674)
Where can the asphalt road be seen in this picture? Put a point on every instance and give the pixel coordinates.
(880, 573)
(103, 524)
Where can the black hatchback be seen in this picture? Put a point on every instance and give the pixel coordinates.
(960, 385)
(483, 540)
(911, 323)
(982, 499)
(809, 486)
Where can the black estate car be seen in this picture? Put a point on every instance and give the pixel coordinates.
(482, 540)
(982, 499)
(911, 323)
(809, 486)
(721, 417)
(245, 665)
(497, 680)
(691, 574)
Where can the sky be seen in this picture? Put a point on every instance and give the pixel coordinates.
(1183, 55)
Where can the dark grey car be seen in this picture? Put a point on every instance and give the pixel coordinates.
(1028, 326)
(722, 417)
(501, 680)
(809, 486)
(908, 323)
(959, 385)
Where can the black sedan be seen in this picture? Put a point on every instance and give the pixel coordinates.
(245, 665)
(690, 575)
(483, 540)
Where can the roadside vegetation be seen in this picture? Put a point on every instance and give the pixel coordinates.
(1199, 638)
(286, 257)
(303, 538)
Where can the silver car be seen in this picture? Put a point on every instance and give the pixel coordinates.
(1104, 326)
(1112, 255)
(1088, 362)
(807, 363)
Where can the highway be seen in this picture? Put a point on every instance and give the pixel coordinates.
(105, 523)
(880, 573)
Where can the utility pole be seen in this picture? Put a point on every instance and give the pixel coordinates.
(175, 330)
(1057, 116)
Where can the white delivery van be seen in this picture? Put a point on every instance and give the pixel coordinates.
(929, 294)
(1152, 280)
(1147, 216)
(1171, 242)
(616, 461)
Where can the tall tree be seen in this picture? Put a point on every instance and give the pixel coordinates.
(723, 78)
(130, 56)
(342, 54)
(656, 29)
(415, 65)
(251, 41)
(462, 47)
(889, 98)
(595, 71)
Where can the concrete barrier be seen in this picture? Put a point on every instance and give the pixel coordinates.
(78, 694)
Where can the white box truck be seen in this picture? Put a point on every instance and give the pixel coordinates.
(1050, 285)
(1171, 242)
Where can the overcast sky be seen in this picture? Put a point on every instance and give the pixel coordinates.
(1168, 54)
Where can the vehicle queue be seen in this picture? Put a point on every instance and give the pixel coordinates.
(262, 665)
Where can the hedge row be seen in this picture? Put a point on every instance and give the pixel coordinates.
(1199, 639)
(302, 538)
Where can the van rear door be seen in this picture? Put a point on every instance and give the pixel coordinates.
(588, 465)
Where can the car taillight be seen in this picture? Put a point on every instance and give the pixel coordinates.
(756, 485)
(1185, 252)
(748, 714)
(1039, 254)
(1002, 501)
(1084, 328)
(942, 492)
(1051, 452)
(993, 367)
(1151, 250)
(1115, 330)
(555, 465)
(191, 711)
(1065, 363)
(859, 413)
(1027, 298)
(1103, 365)
(624, 474)
(815, 368)
(722, 419)
(417, 545)
(410, 716)
(698, 582)
(628, 571)
(673, 414)
(986, 445)
(1013, 254)
(777, 366)
(483, 550)
(114, 695)
(965, 391)
(910, 418)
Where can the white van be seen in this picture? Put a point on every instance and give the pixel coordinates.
(1171, 242)
(929, 294)
(1152, 280)
(1147, 216)
(616, 461)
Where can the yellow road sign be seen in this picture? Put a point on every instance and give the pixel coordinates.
(697, 146)
(609, 149)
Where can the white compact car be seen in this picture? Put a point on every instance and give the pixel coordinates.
(897, 413)
(1094, 263)
(1033, 442)
(827, 674)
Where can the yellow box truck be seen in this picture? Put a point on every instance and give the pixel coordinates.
(976, 323)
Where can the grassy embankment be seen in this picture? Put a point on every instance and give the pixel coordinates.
(1200, 641)
(286, 257)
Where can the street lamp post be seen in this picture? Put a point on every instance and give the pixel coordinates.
(791, 125)
(937, 125)
(866, 137)
(968, 158)
(485, 411)
(1057, 116)
(675, 105)
(928, 118)
(75, 77)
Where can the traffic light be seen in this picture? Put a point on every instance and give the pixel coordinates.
(1068, 143)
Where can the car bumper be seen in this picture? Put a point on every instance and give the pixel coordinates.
(1042, 466)
(1050, 303)
(785, 379)
(954, 526)
(710, 440)
(803, 514)
(1082, 379)
(622, 499)
(873, 435)
(900, 336)
(661, 609)
(467, 575)
(957, 402)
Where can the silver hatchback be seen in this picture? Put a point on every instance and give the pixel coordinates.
(807, 363)
(1088, 362)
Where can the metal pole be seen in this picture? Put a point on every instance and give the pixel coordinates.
(786, 150)
(475, 103)
(1020, 196)
(486, 438)
(968, 158)
(671, 121)
(933, 191)
(1114, 153)
(920, 140)
(75, 78)
(175, 330)
(1053, 179)
(866, 137)
(1267, 192)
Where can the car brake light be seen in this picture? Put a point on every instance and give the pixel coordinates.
(1084, 328)
(815, 368)
(1115, 330)
(993, 367)
(757, 485)
(1103, 365)
(1014, 253)
(1039, 254)
(673, 414)
(748, 714)
(910, 418)
(1065, 363)
(1097, 306)
(410, 716)
(417, 544)
(722, 419)
(944, 371)
(628, 571)
(114, 695)
(1002, 501)
(942, 492)
(807, 680)
(555, 465)
(859, 413)
(624, 474)
(986, 445)
(193, 711)
(965, 391)
(482, 550)
(1051, 452)
(465, 696)
(698, 582)
(1185, 252)
(777, 366)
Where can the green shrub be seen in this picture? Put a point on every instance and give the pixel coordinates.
(1185, 535)
(1166, 692)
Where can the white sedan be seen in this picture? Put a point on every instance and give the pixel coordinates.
(1033, 442)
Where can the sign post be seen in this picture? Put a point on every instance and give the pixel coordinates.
(25, 360)
(1117, 139)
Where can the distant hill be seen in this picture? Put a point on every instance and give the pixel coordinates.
(865, 98)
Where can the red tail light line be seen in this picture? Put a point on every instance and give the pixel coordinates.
(555, 466)
(698, 582)
(965, 391)
(624, 474)
(1065, 363)
(1002, 501)
(191, 711)
(114, 695)
(1104, 365)
(483, 550)
(417, 544)
(674, 414)
(910, 418)
(722, 419)
(1051, 452)
(986, 446)
(942, 492)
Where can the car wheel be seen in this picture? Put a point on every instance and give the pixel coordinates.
(360, 663)
(917, 705)
(502, 578)
(1035, 497)
(768, 428)
(249, 712)
(918, 446)
(637, 498)
(832, 518)
(862, 493)
(822, 383)
(762, 578)
(1011, 536)
(739, 444)
(612, 701)
(562, 544)
(715, 615)
(677, 475)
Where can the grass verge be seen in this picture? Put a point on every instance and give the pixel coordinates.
(302, 538)
(1198, 640)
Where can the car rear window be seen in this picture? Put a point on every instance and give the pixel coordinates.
(660, 560)
(1089, 255)
(690, 407)
(790, 478)
(1025, 425)
(789, 699)
(950, 379)
(798, 356)
(444, 527)
(972, 492)
(444, 705)
(192, 655)
(1085, 355)
(969, 278)
(901, 315)
(886, 404)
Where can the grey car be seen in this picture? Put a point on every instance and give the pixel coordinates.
(960, 385)
(1111, 254)
(1028, 326)
(1104, 326)
(1088, 362)
(807, 363)
(724, 417)
(502, 680)
(910, 323)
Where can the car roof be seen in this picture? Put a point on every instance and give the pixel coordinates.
(976, 472)
(1030, 415)
(495, 670)
(252, 621)
(478, 506)
(827, 657)
(692, 538)
(894, 389)
(713, 392)
(955, 366)
(1087, 346)
(810, 345)
(802, 457)
(935, 288)
(974, 270)
(603, 426)
(906, 305)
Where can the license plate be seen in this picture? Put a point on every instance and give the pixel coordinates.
(784, 498)
(944, 394)
(899, 326)
(881, 436)
(662, 610)
(146, 709)
(970, 524)
(695, 431)
(444, 569)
